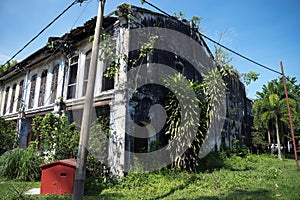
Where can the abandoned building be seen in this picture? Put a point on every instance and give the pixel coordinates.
(54, 79)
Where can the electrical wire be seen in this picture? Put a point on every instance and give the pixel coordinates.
(56, 18)
(215, 42)
(25, 87)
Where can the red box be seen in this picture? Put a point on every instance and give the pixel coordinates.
(58, 177)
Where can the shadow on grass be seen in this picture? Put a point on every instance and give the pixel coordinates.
(235, 195)
(189, 181)
(249, 195)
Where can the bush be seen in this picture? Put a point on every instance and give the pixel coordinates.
(8, 135)
(213, 160)
(236, 163)
(58, 137)
(21, 164)
(97, 176)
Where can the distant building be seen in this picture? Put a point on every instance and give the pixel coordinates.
(54, 79)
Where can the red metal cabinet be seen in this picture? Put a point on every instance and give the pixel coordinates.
(58, 177)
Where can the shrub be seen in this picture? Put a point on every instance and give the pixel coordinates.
(8, 135)
(97, 176)
(213, 160)
(21, 164)
(57, 136)
(236, 163)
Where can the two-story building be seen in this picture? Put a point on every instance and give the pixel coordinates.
(54, 79)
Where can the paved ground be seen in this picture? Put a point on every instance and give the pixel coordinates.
(33, 191)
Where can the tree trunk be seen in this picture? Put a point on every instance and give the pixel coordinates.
(278, 139)
(269, 137)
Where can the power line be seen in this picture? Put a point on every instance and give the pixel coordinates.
(25, 86)
(56, 18)
(215, 42)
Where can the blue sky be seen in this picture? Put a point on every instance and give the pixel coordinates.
(264, 30)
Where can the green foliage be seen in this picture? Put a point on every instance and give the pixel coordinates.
(259, 142)
(270, 111)
(4, 68)
(215, 86)
(57, 136)
(109, 55)
(180, 15)
(222, 58)
(21, 164)
(272, 172)
(97, 176)
(8, 135)
(239, 148)
(184, 89)
(146, 49)
(99, 135)
(16, 190)
(249, 77)
(236, 163)
(196, 20)
(253, 177)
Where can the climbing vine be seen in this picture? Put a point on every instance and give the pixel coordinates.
(58, 139)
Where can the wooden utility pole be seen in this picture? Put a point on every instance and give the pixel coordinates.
(290, 116)
(78, 189)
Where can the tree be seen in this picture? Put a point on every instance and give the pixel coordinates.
(270, 111)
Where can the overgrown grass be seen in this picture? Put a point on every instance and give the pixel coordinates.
(252, 177)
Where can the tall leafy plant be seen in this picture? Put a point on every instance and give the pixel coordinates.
(189, 160)
(21, 164)
(58, 138)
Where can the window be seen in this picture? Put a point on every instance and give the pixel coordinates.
(54, 84)
(12, 99)
(5, 100)
(86, 71)
(72, 78)
(42, 88)
(20, 95)
(32, 92)
(107, 82)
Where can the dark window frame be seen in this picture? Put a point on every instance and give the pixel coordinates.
(5, 100)
(32, 91)
(42, 88)
(72, 82)
(54, 83)
(12, 99)
(86, 71)
(20, 95)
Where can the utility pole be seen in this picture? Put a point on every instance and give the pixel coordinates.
(290, 116)
(80, 173)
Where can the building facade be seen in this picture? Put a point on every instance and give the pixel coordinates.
(54, 80)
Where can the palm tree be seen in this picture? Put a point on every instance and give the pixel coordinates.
(274, 113)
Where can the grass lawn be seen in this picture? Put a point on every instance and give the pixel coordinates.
(254, 177)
